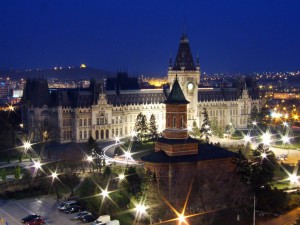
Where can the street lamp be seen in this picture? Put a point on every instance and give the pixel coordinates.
(247, 138)
(26, 145)
(285, 139)
(263, 155)
(89, 158)
(266, 138)
(121, 176)
(54, 175)
(293, 178)
(37, 165)
(181, 218)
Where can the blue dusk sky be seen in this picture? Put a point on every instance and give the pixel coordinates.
(140, 35)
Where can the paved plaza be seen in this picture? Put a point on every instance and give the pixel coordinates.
(11, 211)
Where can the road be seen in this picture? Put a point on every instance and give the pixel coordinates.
(286, 219)
(13, 210)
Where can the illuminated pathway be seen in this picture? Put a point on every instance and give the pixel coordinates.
(108, 153)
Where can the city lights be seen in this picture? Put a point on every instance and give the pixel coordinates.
(263, 155)
(89, 158)
(37, 165)
(266, 138)
(104, 193)
(140, 208)
(181, 219)
(54, 175)
(247, 138)
(127, 155)
(121, 176)
(27, 145)
(254, 123)
(11, 108)
(293, 178)
(285, 139)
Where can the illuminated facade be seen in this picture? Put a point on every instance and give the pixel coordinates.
(74, 115)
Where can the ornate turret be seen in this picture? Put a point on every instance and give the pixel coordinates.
(184, 59)
(176, 140)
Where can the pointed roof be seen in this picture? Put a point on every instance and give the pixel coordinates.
(176, 95)
(184, 56)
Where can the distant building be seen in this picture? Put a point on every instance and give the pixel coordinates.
(108, 110)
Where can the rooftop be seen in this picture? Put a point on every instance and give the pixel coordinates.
(205, 152)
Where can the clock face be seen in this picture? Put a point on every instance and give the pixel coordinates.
(190, 86)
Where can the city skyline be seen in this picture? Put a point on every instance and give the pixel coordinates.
(227, 36)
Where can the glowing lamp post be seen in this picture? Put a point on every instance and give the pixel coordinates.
(121, 177)
(293, 178)
(181, 219)
(37, 165)
(285, 139)
(263, 155)
(26, 145)
(105, 194)
(140, 210)
(54, 176)
(89, 159)
(247, 138)
(266, 138)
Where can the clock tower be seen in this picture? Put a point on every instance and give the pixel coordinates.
(188, 75)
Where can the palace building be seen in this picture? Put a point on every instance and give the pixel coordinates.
(108, 110)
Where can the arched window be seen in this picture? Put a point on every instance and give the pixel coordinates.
(174, 122)
(107, 134)
(97, 134)
(102, 134)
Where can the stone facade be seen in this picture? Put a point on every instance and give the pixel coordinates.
(73, 115)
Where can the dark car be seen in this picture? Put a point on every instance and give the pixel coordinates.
(37, 221)
(88, 218)
(29, 218)
(73, 209)
(79, 216)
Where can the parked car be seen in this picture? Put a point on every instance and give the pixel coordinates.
(73, 209)
(79, 215)
(88, 218)
(102, 220)
(37, 221)
(29, 218)
(113, 222)
(67, 204)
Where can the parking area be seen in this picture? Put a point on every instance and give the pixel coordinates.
(12, 211)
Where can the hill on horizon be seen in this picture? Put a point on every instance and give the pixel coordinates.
(73, 73)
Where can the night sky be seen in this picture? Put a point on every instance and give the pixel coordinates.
(140, 36)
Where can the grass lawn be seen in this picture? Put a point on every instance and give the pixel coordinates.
(280, 185)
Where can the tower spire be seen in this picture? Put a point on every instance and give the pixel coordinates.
(197, 60)
(170, 62)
